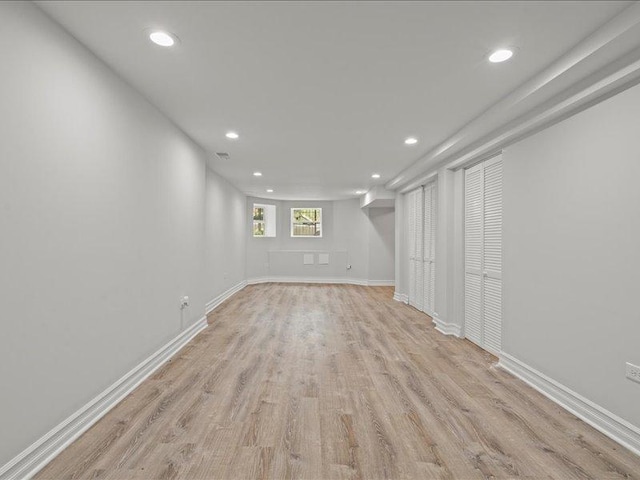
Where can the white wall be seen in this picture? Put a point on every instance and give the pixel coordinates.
(381, 243)
(351, 233)
(102, 208)
(572, 252)
(259, 247)
(401, 248)
(225, 236)
(367, 235)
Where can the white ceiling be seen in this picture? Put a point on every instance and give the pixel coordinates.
(324, 93)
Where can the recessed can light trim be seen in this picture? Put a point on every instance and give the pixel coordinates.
(501, 55)
(162, 38)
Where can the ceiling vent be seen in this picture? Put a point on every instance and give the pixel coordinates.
(222, 155)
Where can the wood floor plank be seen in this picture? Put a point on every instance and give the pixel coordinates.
(301, 381)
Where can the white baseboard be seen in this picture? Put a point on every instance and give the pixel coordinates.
(346, 281)
(381, 283)
(34, 458)
(431, 313)
(611, 425)
(401, 297)
(447, 328)
(253, 281)
(211, 305)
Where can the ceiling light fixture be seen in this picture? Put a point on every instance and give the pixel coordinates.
(501, 55)
(232, 135)
(375, 175)
(411, 141)
(163, 39)
(359, 192)
(269, 190)
(257, 174)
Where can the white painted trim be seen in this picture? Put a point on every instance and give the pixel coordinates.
(381, 283)
(213, 304)
(401, 297)
(447, 328)
(611, 425)
(345, 281)
(253, 281)
(35, 457)
(428, 312)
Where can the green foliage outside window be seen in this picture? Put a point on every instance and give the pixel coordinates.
(258, 222)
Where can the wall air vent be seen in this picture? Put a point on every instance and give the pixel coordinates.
(222, 155)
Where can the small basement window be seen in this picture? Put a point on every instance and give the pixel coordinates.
(264, 220)
(306, 222)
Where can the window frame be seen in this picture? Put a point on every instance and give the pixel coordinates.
(269, 223)
(291, 222)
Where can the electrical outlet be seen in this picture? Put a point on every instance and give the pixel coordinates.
(184, 302)
(633, 372)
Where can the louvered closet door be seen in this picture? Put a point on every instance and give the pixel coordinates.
(429, 215)
(419, 240)
(492, 255)
(483, 254)
(411, 243)
(473, 236)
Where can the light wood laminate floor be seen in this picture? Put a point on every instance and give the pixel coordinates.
(329, 381)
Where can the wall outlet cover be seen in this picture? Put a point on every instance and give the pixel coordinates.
(633, 372)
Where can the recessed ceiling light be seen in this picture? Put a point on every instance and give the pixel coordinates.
(359, 192)
(163, 39)
(411, 141)
(375, 175)
(232, 135)
(501, 55)
(269, 190)
(257, 174)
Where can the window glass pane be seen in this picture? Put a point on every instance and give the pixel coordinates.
(306, 222)
(258, 229)
(258, 221)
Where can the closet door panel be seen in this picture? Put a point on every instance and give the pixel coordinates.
(473, 309)
(493, 218)
(419, 265)
(492, 315)
(434, 227)
(492, 255)
(428, 248)
(411, 234)
(473, 235)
